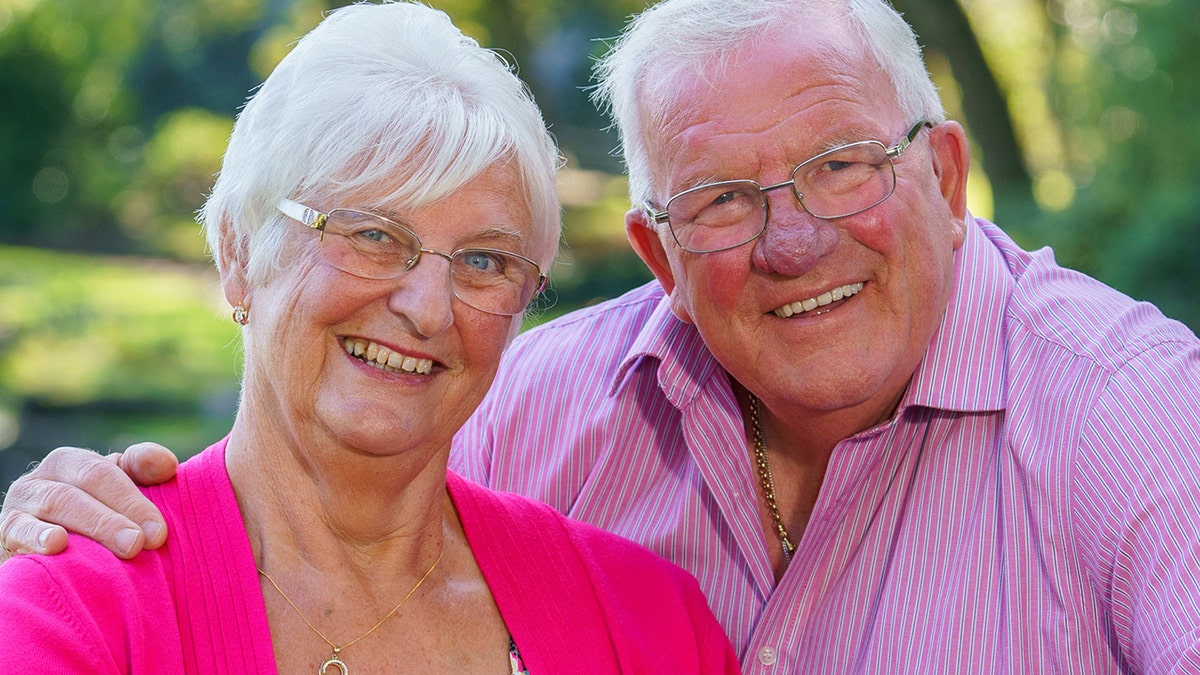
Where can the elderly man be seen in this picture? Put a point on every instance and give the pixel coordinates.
(884, 437)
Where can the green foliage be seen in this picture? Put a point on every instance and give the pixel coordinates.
(92, 348)
(76, 329)
(116, 115)
(1126, 83)
(94, 80)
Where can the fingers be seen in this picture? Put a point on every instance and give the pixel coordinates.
(148, 463)
(22, 533)
(84, 493)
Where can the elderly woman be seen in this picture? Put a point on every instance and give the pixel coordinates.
(384, 214)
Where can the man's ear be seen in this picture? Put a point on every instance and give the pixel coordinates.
(646, 241)
(951, 162)
(643, 236)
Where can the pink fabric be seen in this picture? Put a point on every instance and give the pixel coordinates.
(1032, 507)
(575, 598)
(193, 606)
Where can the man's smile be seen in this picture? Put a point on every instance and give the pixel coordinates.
(809, 304)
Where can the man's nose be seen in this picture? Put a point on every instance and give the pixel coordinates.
(794, 240)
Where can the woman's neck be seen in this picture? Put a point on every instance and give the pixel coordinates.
(319, 504)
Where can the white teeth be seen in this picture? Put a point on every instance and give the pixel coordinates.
(385, 359)
(809, 304)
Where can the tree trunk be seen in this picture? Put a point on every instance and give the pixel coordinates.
(942, 25)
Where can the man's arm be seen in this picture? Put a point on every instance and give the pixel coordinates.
(84, 492)
(1135, 500)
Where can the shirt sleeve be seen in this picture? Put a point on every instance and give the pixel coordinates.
(41, 627)
(1136, 504)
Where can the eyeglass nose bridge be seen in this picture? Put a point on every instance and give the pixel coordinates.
(412, 262)
(791, 182)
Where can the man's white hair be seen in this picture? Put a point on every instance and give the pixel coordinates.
(638, 78)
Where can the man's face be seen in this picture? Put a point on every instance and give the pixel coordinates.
(774, 107)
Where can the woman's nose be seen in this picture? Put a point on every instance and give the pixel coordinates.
(423, 296)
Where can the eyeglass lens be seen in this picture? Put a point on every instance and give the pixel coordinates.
(372, 247)
(834, 184)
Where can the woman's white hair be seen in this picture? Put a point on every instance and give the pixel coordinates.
(390, 100)
(640, 72)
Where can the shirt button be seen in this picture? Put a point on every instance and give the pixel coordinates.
(767, 656)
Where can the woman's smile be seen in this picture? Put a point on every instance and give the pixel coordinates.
(375, 354)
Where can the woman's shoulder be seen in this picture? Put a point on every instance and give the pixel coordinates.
(82, 607)
(85, 610)
(529, 523)
(554, 578)
(86, 574)
(88, 577)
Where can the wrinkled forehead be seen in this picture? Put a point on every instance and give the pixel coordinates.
(786, 79)
(401, 183)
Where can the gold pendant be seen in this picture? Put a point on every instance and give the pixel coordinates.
(334, 662)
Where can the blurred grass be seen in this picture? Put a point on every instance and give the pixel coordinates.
(93, 347)
(76, 328)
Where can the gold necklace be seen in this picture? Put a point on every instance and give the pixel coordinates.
(334, 661)
(765, 479)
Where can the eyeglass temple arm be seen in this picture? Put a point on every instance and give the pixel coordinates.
(303, 214)
(659, 217)
(899, 148)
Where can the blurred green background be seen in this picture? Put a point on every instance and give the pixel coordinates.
(114, 116)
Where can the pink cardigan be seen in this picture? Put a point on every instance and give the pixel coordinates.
(575, 599)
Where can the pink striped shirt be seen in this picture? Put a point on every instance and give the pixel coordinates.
(1033, 506)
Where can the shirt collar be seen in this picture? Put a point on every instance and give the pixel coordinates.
(683, 362)
(964, 368)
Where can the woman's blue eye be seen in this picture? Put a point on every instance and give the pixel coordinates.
(480, 261)
(375, 235)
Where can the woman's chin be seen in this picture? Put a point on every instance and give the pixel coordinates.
(385, 433)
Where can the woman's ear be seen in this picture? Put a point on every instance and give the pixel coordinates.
(232, 261)
(643, 236)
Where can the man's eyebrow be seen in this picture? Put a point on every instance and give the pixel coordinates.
(846, 137)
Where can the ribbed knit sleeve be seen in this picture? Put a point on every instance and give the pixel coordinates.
(193, 606)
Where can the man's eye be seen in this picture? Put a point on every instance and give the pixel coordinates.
(726, 197)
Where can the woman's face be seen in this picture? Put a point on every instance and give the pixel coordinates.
(318, 337)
